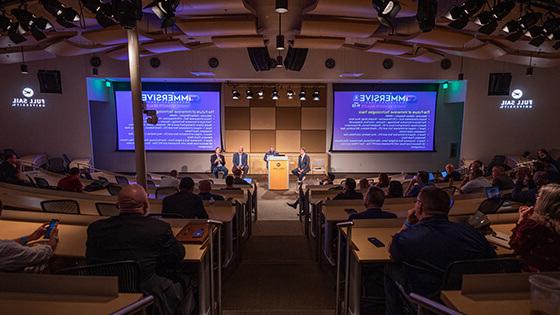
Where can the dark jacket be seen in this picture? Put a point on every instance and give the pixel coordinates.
(528, 196)
(372, 213)
(213, 158)
(185, 203)
(148, 241)
(267, 153)
(8, 174)
(349, 195)
(209, 195)
(503, 182)
(305, 163)
(243, 160)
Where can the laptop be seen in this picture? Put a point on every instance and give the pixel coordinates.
(431, 177)
(492, 192)
(444, 174)
(248, 180)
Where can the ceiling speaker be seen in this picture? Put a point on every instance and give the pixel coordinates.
(499, 83)
(445, 64)
(155, 62)
(388, 63)
(213, 62)
(330, 63)
(295, 58)
(259, 58)
(95, 61)
(49, 81)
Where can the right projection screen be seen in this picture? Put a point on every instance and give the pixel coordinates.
(384, 117)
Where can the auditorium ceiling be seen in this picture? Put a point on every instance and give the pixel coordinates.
(313, 24)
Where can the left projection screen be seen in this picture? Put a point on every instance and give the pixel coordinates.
(187, 120)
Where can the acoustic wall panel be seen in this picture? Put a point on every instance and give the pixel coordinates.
(314, 140)
(288, 118)
(236, 138)
(314, 118)
(261, 140)
(288, 140)
(263, 118)
(237, 118)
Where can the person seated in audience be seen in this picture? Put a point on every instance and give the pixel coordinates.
(9, 170)
(230, 180)
(271, 152)
(218, 163)
(452, 174)
(549, 168)
(476, 164)
(204, 191)
(185, 202)
(536, 237)
(477, 182)
(328, 179)
(241, 161)
(500, 179)
(395, 190)
(71, 182)
(419, 181)
(134, 236)
(532, 183)
(304, 165)
(237, 180)
(170, 180)
(383, 180)
(17, 256)
(546, 158)
(363, 185)
(373, 201)
(429, 241)
(349, 192)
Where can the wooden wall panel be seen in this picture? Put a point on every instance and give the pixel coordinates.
(288, 140)
(288, 118)
(237, 118)
(314, 141)
(314, 118)
(263, 118)
(261, 140)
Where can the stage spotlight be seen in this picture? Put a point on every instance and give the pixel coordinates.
(529, 19)
(23, 69)
(426, 15)
(281, 6)
(235, 94)
(302, 95)
(31, 23)
(459, 23)
(489, 28)
(316, 96)
(275, 94)
(511, 27)
(290, 94)
(127, 12)
(65, 16)
(387, 8)
(103, 12)
(260, 94)
(249, 94)
(15, 33)
(165, 11)
(534, 31)
(550, 27)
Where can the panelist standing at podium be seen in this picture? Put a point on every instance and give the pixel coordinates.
(271, 151)
(218, 163)
(241, 162)
(304, 165)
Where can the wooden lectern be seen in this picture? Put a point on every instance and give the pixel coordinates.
(278, 174)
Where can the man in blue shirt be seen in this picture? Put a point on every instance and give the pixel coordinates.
(373, 201)
(241, 161)
(429, 242)
(417, 183)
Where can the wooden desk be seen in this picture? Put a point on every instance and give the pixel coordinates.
(488, 304)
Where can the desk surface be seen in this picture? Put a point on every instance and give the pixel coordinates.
(60, 305)
(488, 304)
(73, 239)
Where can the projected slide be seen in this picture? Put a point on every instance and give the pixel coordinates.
(384, 121)
(188, 121)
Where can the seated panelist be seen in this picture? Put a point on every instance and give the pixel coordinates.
(241, 161)
(304, 165)
(218, 163)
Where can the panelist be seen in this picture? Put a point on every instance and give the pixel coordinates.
(304, 165)
(241, 161)
(271, 152)
(218, 163)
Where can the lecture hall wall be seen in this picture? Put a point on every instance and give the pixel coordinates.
(63, 126)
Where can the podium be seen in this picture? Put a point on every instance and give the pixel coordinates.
(278, 173)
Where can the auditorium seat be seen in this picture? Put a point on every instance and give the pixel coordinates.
(61, 206)
(128, 272)
(107, 209)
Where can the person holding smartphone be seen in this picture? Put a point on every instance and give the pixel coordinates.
(19, 255)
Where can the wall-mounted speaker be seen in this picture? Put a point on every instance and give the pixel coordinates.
(330, 63)
(445, 64)
(295, 58)
(213, 63)
(388, 63)
(499, 83)
(49, 81)
(260, 59)
(95, 61)
(155, 62)
(453, 150)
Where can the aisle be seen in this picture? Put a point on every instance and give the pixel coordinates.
(278, 274)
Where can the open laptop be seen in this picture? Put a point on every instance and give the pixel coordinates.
(492, 192)
(444, 174)
(248, 180)
(431, 177)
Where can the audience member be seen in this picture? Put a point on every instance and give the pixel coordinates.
(328, 179)
(452, 174)
(500, 179)
(304, 165)
(133, 236)
(373, 201)
(536, 237)
(349, 192)
(170, 180)
(185, 202)
(237, 180)
(546, 158)
(477, 182)
(476, 164)
(17, 256)
(271, 152)
(9, 172)
(71, 182)
(429, 241)
(230, 180)
(241, 161)
(204, 191)
(532, 183)
(419, 181)
(218, 163)
(383, 180)
(363, 185)
(395, 189)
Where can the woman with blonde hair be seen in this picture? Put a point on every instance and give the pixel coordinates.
(536, 237)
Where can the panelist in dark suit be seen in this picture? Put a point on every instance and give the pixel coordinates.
(271, 151)
(218, 163)
(241, 162)
(304, 165)
(185, 202)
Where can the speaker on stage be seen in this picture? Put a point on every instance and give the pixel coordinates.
(259, 58)
(295, 58)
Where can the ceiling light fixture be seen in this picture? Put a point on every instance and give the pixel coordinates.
(281, 6)
(235, 94)
(387, 10)
(302, 95)
(275, 94)
(165, 11)
(290, 93)
(279, 37)
(65, 16)
(279, 62)
(260, 94)
(316, 96)
(249, 94)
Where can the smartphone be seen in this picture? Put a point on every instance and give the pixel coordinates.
(376, 242)
(51, 227)
(198, 233)
(350, 211)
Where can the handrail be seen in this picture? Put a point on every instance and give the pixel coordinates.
(339, 226)
(136, 306)
(433, 307)
(215, 304)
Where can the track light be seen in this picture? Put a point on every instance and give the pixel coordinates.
(316, 96)
(249, 94)
(31, 23)
(529, 19)
(489, 28)
(165, 11)
(511, 27)
(260, 94)
(279, 42)
(386, 11)
(517, 28)
(302, 95)
(65, 16)
(15, 33)
(275, 94)
(290, 94)
(103, 12)
(551, 28)
(459, 23)
(281, 6)
(23, 68)
(235, 94)
(279, 62)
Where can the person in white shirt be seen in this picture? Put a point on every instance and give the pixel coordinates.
(477, 182)
(170, 180)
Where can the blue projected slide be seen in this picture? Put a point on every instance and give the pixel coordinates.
(187, 120)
